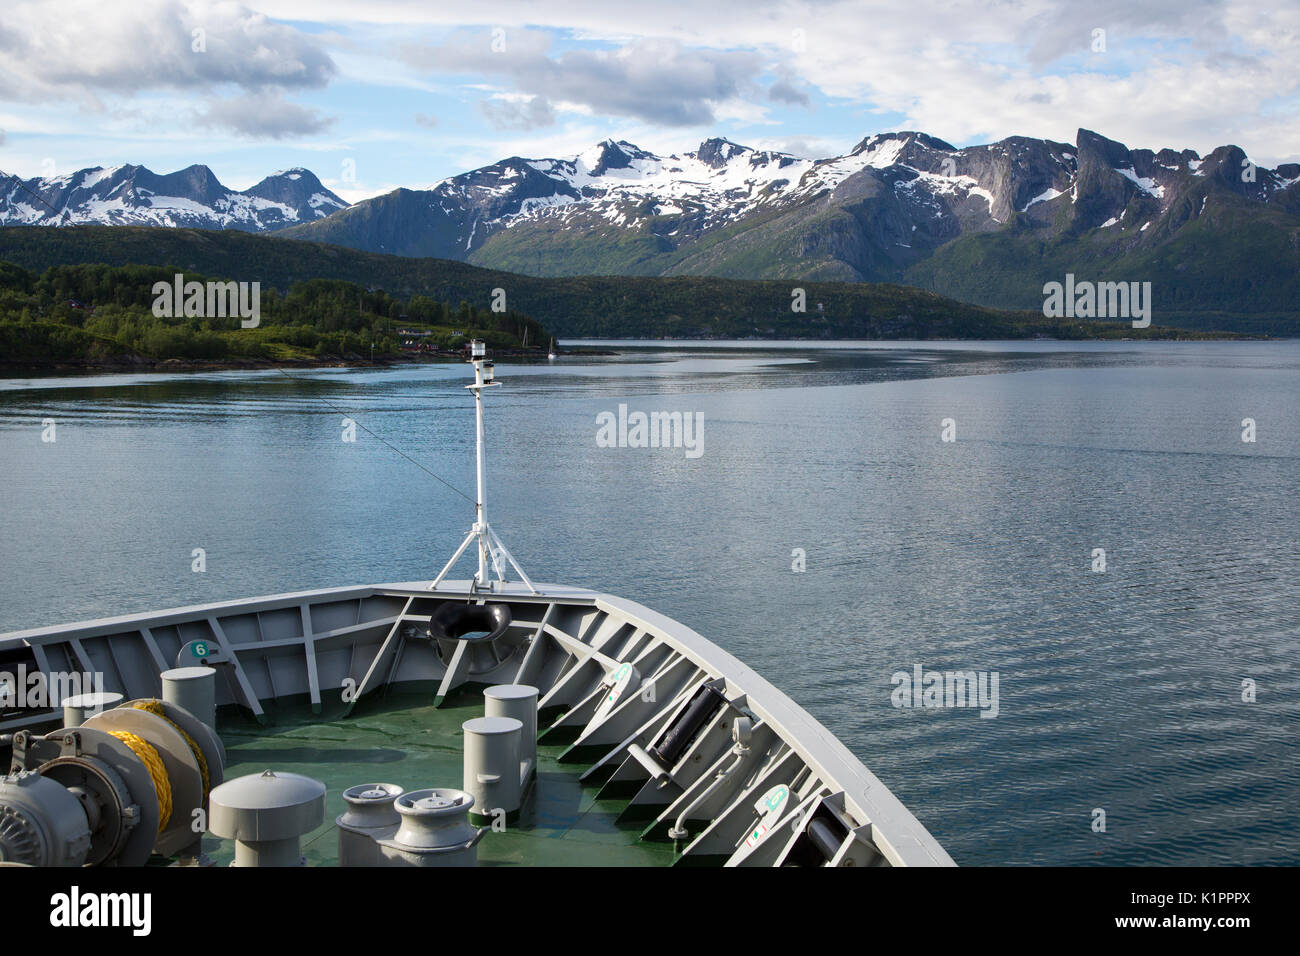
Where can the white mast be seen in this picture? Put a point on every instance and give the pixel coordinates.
(490, 547)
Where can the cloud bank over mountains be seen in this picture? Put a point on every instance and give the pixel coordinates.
(412, 91)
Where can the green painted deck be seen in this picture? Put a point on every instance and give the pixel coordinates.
(406, 741)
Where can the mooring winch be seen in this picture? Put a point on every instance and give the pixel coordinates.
(124, 784)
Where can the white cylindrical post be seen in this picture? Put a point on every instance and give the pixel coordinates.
(193, 688)
(520, 702)
(77, 708)
(492, 767)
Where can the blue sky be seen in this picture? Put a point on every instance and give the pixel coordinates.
(372, 96)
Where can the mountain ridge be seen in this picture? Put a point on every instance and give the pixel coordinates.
(193, 197)
(903, 207)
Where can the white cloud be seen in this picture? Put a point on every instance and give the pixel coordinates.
(79, 50)
(659, 81)
(518, 111)
(264, 115)
(1196, 73)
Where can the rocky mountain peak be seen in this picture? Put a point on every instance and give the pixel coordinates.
(611, 154)
(903, 139)
(717, 152)
(1093, 147)
(298, 189)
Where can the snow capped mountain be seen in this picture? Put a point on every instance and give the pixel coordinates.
(193, 198)
(719, 180)
(981, 223)
(718, 183)
(730, 210)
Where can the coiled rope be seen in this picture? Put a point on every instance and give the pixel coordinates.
(149, 757)
(155, 707)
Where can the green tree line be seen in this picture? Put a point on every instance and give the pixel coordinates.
(577, 306)
(92, 312)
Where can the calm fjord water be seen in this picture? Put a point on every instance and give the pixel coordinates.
(1119, 690)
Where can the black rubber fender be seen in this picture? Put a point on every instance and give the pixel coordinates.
(679, 736)
(454, 620)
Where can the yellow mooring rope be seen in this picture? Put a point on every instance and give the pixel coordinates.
(155, 707)
(162, 786)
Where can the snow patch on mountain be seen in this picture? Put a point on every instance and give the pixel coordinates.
(1145, 183)
(1047, 195)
